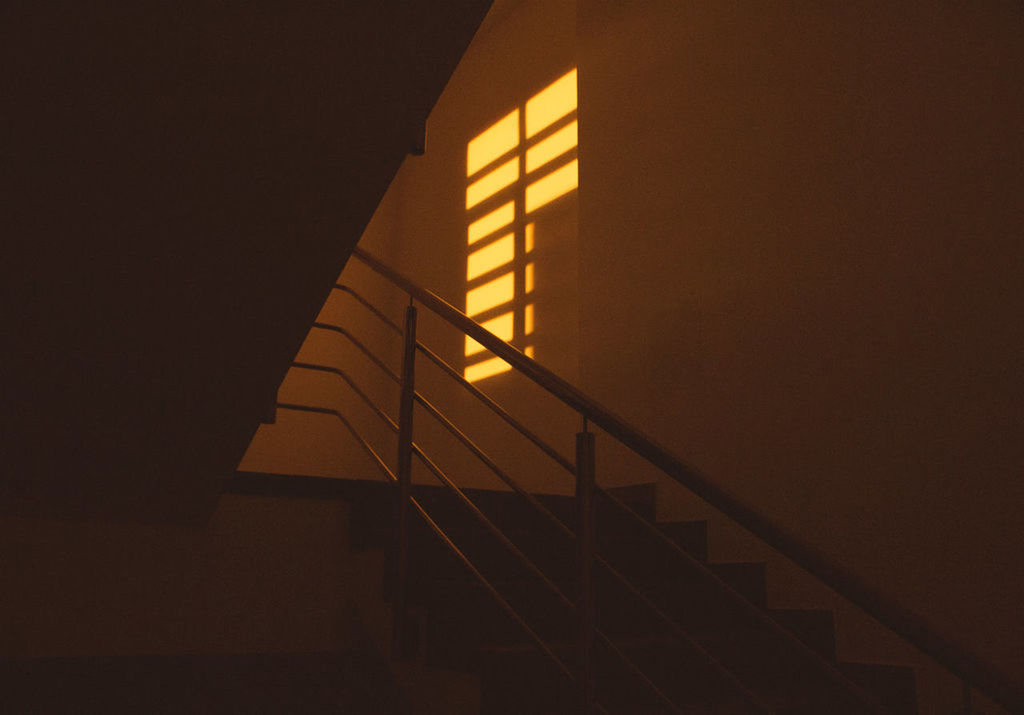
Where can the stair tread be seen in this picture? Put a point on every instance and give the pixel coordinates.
(450, 597)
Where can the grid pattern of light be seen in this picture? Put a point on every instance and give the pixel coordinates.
(522, 162)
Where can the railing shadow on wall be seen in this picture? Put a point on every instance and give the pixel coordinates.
(972, 671)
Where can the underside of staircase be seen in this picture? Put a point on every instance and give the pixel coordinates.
(181, 184)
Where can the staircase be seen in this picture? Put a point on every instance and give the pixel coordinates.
(588, 604)
(456, 624)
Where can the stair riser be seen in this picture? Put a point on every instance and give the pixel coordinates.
(461, 617)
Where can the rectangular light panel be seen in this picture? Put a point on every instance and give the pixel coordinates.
(498, 139)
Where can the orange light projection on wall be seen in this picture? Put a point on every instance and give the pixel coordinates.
(522, 162)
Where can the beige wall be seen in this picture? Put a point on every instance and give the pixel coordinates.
(801, 260)
(264, 575)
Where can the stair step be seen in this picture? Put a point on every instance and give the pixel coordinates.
(815, 627)
(466, 629)
(894, 685)
(691, 535)
(372, 526)
(642, 498)
(684, 676)
(510, 509)
(465, 612)
(555, 555)
(503, 671)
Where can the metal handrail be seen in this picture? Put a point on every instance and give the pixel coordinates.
(675, 627)
(369, 306)
(440, 532)
(494, 592)
(361, 347)
(359, 438)
(490, 464)
(491, 526)
(896, 617)
(344, 376)
(525, 560)
(830, 670)
(680, 633)
(498, 409)
(473, 389)
(637, 672)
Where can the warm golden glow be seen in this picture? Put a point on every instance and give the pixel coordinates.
(498, 139)
(553, 147)
(499, 218)
(500, 326)
(497, 159)
(486, 368)
(491, 256)
(492, 182)
(490, 294)
(551, 103)
(557, 183)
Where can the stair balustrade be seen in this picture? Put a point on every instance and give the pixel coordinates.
(578, 664)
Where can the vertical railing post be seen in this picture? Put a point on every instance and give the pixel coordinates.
(585, 538)
(401, 556)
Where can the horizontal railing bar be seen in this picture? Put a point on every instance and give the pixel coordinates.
(636, 671)
(355, 388)
(308, 408)
(899, 619)
(738, 598)
(491, 526)
(505, 540)
(365, 350)
(490, 464)
(510, 545)
(369, 306)
(359, 438)
(497, 409)
(439, 473)
(681, 633)
(444, 537)
(492, 590)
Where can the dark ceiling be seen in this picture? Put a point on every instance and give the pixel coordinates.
(182, 183)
